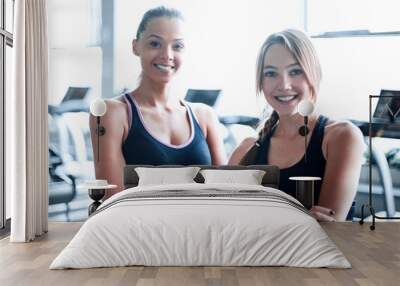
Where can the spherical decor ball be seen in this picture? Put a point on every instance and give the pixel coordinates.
(98, 107)
(305, 107)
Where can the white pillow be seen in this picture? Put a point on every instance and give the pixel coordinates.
(249, 177)
(163, 176)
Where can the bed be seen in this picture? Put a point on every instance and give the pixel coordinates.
(201, 224)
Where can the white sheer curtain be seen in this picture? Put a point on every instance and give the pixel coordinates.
(28, 147)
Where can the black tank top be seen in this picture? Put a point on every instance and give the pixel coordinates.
(315, 166)
(140, 147)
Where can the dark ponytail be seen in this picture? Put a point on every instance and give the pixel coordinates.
(250, 157)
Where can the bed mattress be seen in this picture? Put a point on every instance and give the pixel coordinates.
(201, 225)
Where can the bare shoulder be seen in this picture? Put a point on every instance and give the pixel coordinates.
(116, 109)
(342, 129)
(343, 133)
(205, 116)
(247, 143)
(201, 110)
(241, 150)
(116, 104)
(116, 114)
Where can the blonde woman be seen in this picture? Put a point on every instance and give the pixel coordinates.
(288, 71)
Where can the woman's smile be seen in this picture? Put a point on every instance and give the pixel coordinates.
(286, 98)
(164, 68)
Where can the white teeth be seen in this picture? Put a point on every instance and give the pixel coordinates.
(164, 68)
(285, 98)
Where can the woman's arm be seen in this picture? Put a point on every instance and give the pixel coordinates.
(110, 165)
(344, 152)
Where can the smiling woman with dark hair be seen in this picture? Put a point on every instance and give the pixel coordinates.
(150, 125)
(288, 71)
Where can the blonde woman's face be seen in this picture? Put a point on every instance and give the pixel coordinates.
(284, 82)
(161, 48)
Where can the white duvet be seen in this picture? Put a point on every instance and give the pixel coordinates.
(225, 225)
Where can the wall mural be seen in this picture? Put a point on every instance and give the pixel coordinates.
(97, 125)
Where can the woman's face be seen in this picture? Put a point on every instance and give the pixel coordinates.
(160, 49)
(284, 82)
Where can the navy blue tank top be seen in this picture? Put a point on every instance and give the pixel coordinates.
(140, 147)
(315, 166)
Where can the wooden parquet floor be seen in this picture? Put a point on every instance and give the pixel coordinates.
(374, 255)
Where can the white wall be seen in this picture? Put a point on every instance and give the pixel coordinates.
(352, 69)
(79, 67)
(222, 44)
(75, 60)
(342, 15)
(73, 23)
